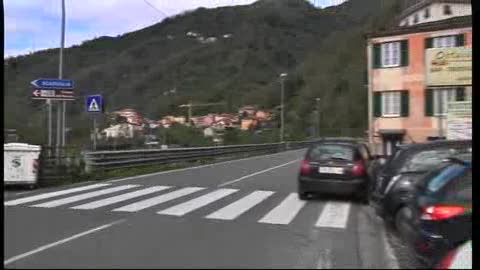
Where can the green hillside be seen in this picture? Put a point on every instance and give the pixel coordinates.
(323, 50)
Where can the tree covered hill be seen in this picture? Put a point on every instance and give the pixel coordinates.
(323, 50)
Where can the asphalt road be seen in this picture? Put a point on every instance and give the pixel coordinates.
(235, 214)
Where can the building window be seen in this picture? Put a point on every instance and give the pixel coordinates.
(447, 10)
(427, 13)
(391, 103)
(441, 97)
(444, 42)
(415, 18)
(390, 54)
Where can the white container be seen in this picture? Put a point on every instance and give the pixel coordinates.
(20, 163)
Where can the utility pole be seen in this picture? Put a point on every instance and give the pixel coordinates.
(60, 128)
(282, 124)
(318, 117)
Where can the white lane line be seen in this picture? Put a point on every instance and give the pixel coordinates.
(120, 198)
(52, 194)
(285, 212)
(84, 196)
(241, 206)
(45, 247)
(199, 167)
(189, 206)
(334, 215)
(257, 173)
(137, 206)
(325, 260)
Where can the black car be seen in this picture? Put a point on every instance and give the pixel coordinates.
(393, 184)
(335, 166)
(439, 218)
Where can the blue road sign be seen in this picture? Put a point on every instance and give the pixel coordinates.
(53, 84)
(94, 104)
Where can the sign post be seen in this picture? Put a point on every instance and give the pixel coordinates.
(53, 89)
(94, 105)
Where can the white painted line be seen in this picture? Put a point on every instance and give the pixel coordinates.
(325, 260)
(84, 196)
(198, 167)
(120, 198)
(52, 194)
(45, 247)
(334, 215)
(285, 212)
(189, 206)
(257, 173)
(241, 206)
(137, 206)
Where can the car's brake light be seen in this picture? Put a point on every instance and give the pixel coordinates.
(305, 167)
(447, 260)
(358, 168)
(441, 212)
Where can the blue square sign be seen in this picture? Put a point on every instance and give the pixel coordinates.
(94, 104)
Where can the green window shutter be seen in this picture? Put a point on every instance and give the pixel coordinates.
(405, 102)
(377, 104)
(377, 56)
(404, 50)
(460, 40)
(428, 102)
(460, 96)
(428, 43)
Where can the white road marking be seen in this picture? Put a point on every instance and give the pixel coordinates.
(120, 198)
(52, 194)
(334, 215)
(285, 212)
(239, 207)
(84, 196)
(198, 167)
(189, 206)
(137, 206)
(257, 173)
(325, 260)
(45, 247)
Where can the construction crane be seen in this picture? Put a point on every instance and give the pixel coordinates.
(190, 105)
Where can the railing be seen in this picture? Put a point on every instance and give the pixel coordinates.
(107, 160)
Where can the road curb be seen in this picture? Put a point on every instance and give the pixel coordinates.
(374, 249)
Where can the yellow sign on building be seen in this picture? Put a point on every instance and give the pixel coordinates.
(449, 66)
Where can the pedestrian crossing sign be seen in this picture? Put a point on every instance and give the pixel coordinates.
(94, 103)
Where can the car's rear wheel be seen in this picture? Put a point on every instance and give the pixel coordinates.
(303, 195)
(400, 216)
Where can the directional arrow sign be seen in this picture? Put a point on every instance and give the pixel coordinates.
(53, 94)
(53, 84)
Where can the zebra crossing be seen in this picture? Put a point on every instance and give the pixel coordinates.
(332, 215)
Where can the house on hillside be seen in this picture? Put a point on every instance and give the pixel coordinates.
(247, 111)
(416, 69)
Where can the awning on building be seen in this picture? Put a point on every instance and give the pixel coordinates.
(392, 131)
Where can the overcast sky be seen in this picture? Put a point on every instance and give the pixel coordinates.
(32, 25)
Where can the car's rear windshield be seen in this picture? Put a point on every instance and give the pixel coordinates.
(331, 151)
(443, 176)
(426, 160)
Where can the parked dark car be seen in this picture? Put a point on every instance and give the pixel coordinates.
(439, 218)
(394, 182)
(335, 167)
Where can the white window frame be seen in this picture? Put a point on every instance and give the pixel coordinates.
(444, 42)
(391, 104)
(447, 95)
(391, 54)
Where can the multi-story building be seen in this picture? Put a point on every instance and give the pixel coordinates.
(415, 69)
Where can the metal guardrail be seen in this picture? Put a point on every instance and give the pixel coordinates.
(107, 160)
